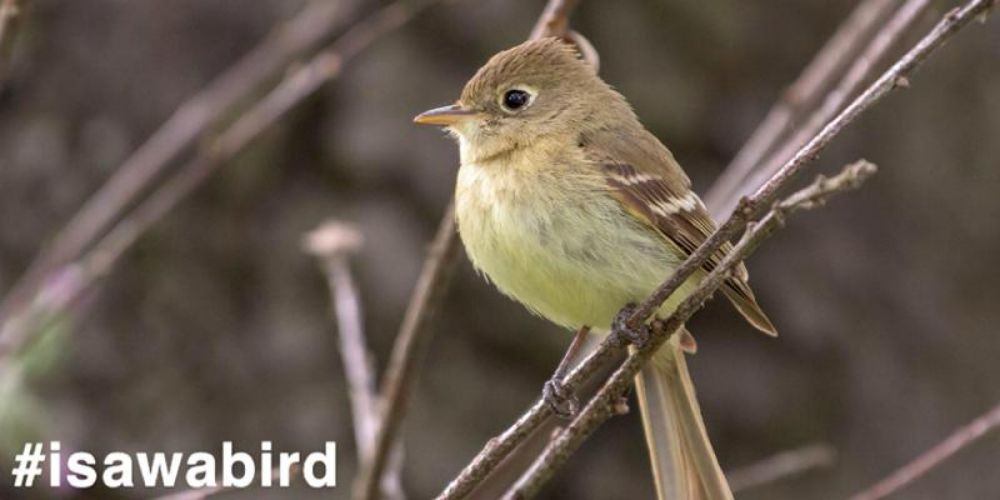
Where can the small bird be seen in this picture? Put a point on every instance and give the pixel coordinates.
(571, 207)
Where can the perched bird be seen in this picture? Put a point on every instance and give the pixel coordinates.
(570, 206)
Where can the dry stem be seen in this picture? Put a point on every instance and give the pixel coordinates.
(16, 329)
(933, 457)
(859, 71)
(191, 121)
(408, 353)
(800, 97)
(782, 465)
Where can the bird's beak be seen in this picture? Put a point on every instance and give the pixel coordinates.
(445, 115)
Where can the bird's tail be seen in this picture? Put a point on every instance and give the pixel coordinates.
(684, 464)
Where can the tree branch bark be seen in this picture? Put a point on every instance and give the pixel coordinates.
(602, 406)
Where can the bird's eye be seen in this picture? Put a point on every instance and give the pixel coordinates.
(515, 99)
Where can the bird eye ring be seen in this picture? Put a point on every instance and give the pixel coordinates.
(515, 99)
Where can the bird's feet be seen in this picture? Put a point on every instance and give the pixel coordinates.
(625, 334)
(562, 401)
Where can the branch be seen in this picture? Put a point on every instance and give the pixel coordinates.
(801, 96)
(9, 12)
(782, 465)
(554, 20)
(408, 352)
(191, 121)
(602, 406)
(408, 349)
(834, 101)
(333, 243)
(895, 77)
(497, 449)
(15, 329)
(933, 457)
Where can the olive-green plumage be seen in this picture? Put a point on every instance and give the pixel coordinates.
(570, 206)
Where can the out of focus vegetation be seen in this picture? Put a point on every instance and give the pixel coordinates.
(216, 325)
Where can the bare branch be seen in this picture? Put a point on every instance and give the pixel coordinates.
(602, 406)
(333, 243)
(860, 71)
(962, 437)
(554, 20)
(293, 89)
(191, 120)
(894, 78)
(499, 448)
(409, 351)
(801, 96)
(784, 464)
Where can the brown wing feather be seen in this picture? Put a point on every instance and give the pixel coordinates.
(651, 186)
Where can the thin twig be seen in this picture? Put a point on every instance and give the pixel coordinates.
(602, 406)
(16, 329)
(801, 96)
(497, 449)
(895, 77)
(409, 351)
(190, 121)
(859, 71)
(962, 437)
(408, 354)
(780, 466)
(333, 242)
(554, 20)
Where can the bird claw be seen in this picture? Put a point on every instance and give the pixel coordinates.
(626, 335)
(562, 402)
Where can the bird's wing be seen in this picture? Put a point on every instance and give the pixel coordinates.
(643, 175)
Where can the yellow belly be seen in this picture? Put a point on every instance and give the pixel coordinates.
(574, 258)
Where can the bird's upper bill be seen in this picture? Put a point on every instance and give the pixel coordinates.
(445, 115)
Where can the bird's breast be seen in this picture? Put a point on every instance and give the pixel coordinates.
(553, 239)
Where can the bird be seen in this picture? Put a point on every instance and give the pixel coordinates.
(570, 206)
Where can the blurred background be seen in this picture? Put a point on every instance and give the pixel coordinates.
(217, 326)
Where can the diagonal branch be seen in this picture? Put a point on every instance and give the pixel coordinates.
(16, 329)
(602, 406)
(895, 77)
(858, 72)
(191, 120)
(962, 437)
(499, 448)
(801, 96)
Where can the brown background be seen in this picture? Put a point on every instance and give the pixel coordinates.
(216, 326)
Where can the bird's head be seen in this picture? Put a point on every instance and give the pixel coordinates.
(536, 90)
